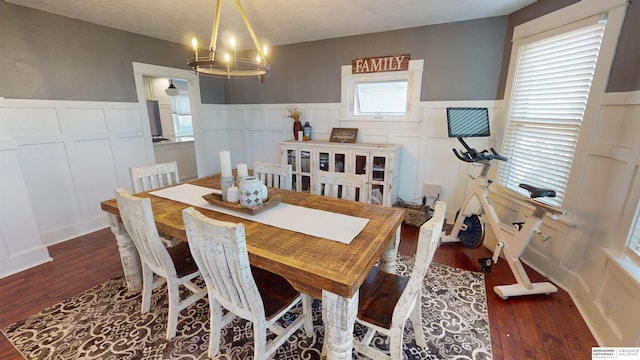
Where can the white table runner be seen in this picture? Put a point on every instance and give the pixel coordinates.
(319, 223)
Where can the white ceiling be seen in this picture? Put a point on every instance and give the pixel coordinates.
(276, 22)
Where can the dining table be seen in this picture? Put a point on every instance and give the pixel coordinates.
(323, 268)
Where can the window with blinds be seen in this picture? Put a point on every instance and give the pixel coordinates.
(633, 249)
(548, 100)
(181, 112)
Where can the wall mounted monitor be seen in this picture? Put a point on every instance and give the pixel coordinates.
(467, 122)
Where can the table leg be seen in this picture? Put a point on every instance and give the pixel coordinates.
(128, 255)
(387, 262)
(339, 315)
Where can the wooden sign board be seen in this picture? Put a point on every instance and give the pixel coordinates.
(380, 64)
(344, 135)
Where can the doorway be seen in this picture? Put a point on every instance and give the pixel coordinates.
(145, 74)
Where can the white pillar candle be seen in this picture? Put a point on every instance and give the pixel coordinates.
(242, 170)
(225, 163)
(233, 194)
(300, 135)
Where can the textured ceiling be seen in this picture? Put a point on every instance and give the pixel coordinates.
(276, 22)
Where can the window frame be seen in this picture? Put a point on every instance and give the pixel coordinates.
(530, 125)
(634, 238)
(413, 76)
(566, 19)
(629, 223)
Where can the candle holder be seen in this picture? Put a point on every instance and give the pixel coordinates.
(225, 183)
(250, 192)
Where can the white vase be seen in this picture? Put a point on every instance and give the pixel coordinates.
(264, 192)
(250, 192)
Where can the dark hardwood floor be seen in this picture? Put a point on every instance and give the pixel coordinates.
(533, 327)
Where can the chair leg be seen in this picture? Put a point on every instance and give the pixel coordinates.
(307, 312)
(416, 321)
(147, 288)
(259, 341)
(174, 309)
(215, 327)
(395, 342)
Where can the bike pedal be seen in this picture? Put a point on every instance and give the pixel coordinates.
(486, 264)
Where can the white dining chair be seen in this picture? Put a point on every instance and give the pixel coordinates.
(341, 185)
(150, 177)
(174, 266)
(387, 300)
(220, 250)
(274, 175)
(146, 178)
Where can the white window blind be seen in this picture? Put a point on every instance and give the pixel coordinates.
(181, 112)
(550, 91)
(634, 237)
(180, 104)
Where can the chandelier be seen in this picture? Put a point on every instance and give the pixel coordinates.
(229, 65)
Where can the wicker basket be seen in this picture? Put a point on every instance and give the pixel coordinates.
(415, 215)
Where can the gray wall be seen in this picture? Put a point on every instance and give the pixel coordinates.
(461, 62)
(625, 73)
(46, 56)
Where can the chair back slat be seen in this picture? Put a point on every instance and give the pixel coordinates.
(146, 178)
(274, 175)
(174, 267)
(342, 185)
(428, 241)
(137, 217)
(220, 250)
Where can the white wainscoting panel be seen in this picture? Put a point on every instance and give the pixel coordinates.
(211, 137)
(607, 292)
(70, 156)
(47, 173)
(252, 132)
(73, 154)
(20, 245)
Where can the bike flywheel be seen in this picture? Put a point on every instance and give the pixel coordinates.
(473, 236)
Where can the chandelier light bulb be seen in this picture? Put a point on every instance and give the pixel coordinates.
(194, 44)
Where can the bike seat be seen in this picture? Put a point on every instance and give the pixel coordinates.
(535, 192)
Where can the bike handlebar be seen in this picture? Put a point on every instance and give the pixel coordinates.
(474, 156)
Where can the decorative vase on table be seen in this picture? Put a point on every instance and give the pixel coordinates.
(250, 192)
(297, 126)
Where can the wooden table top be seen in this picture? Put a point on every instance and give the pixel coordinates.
(311, 264)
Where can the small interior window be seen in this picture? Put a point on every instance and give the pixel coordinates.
(381, 97)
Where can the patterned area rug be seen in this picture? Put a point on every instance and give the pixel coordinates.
(105, 323)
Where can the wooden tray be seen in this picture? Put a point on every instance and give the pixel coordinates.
(216, 200)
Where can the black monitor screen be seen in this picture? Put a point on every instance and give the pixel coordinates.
(154, 118)
(467, 121)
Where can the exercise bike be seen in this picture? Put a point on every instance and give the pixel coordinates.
(512, 239)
